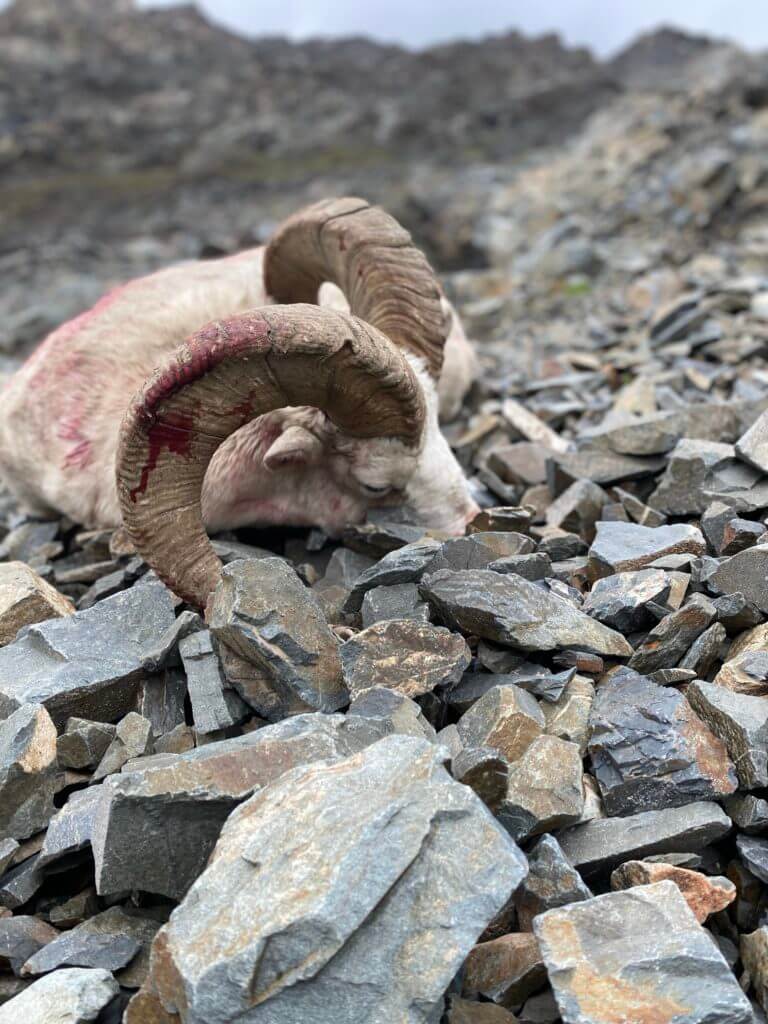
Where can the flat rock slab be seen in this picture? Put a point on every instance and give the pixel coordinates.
(514, 611)
(87, 664)
(71, 996)
(27, 772)
(741, 722)
(25, 599)
(604, 842)
(625, 547)
(405, 565)
(404, 655)
(638, 955)
(343, 892)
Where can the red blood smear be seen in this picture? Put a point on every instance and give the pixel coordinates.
(175, 434)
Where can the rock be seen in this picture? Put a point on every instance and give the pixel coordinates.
(506, 719)
(180, 739)
(621, 601)
(498, 659)
(71, 996)
(82, 948)
(479, 550)
(21, 937)
(25, 599)
(484, 770)
(536, 566)
(88, 664)
(650, 750)
(32, 543)
(753, 949)
(8, 850)
(511, 610)
(405, 565)
(523, 463)
(513, 518)
(27, 771)
(752, 446)
(601, 467)
(668, 642)
(157, 824)
(754, 852)
(215, 705)
(604, 842)
(624, 547)
(741, 722)
(568, 716)
(745, 573)
(637, 955)
(639, 512)
(578, 508)
(309, 938)
(83, 743)
(262, 611)
(749, 813)
(74, 911)
(551, 882)
(162, 700)
(411, 657)
(505, 970)
(465, 1011)
(133, 738)
(70, 830)
(740, 534)
(400, 601)
(691, 476)
(704, 895)
(531, 427)
(746, 669)
(545, 789)
(737, 613)
(256, 687)
(167, 648)
(704, 651)
(383, 712)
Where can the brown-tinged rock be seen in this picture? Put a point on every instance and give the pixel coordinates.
(704, 894)
(25, 598)
(506, 970)
(506, 719)
(625, 547)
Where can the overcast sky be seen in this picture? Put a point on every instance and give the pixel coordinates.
(605, 25)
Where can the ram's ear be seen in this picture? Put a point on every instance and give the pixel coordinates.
(295, 447)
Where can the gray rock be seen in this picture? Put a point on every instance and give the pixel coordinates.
(401, 601)
(83, 743)
(668, 642)
(133, 738)
(256, 687)
(624, 547)
(545, 790)
(127, 923)
(578, 508)
(406, 565)
(740, 534)
(215, 705)
(753, 445)
(745, 573)
(604, 842)
(8, 848)
(89, 664)
(551, 882)
(741, 722)
(25, 598)
(650, 750)
(33, 543)
(601, 467)
(484, 770)
(705, 650)
(81, 948)
(309, 944)
(161, 700)
(621, 601)
(748, 812)
(157, 824)
(568, 716)
(754, 853)
(262, 611)
(536, 566)
(737, 613)
(714, 520)
(20, 883)
(71, 996)
(505, 718)
(70, 830)
(411, 657)
(167, 647)
(496, 658)
(523, 463)
(691, 476)
(511, 610)
(514, 518)
(637, 954)
(478, 550)
(21, 937)
(381, 712)
(27, 772)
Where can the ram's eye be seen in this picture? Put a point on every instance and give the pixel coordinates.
(371, 489)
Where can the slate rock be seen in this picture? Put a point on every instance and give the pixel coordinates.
(88, 664)
(604, 842)
(166, 651)
(70, 830)
(741, 722)
(133, 738)
(478, 550)
(162, 700)
(752, 446)
(21, 882)
(70, 996)
(381, 712)
(505, 718)
(505, 970)
(466, 1011)
(551, 882)
(545, 790)
(568, 716)
(637, 955)
(748, 812)
(753, 949)
(754, 852)
(27, 771)
(81, 948)
(650, 750)
(578, 508)
(625, 547)
(601, 467)
(303, 937)
(740, 534)
(262, 611)
(746, 667)
(405, 565)
(691, 476)
(536, 566)
(669, 641)
(745, 573)
(215, 705)
(83, 744)
(513, 518)
(484, 770)
(25, 599)
(705, 650)
(523, 463)
(404, 655)
(21, 937)
(401, 601)
(157, 824)
(704, 895)
(256, 687)
(737, 613)
(621, 601)
(511, 610)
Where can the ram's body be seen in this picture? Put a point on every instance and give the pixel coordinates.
(61, 412)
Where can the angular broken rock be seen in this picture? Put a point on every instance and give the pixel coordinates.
(650, 750)
(478, 550)
(401, 601)
(83, 948)
(667, 643)
(746, 669)
(505, 718)
(404, 655)
(71, 996)
(133, 738)
(484, 770)
(691, 476)
(405, 565)
(545, 789)
(511, 610)
(21, 937)
(748, 812)
(625, 547)
(637, 955)
(25, 599)
(620, 601)
(704, 651)
(745, 573)
(88, 664)
(551, 882)
(70, 830)
(27, 772)
(505, 970)
(568, 716)
(277, 901)
(467, 1011)
(515, 518)
(753, 950)
(215, 705)
(703, 895)
(83, 743)
(753, 850)
(752, 446)
(741, 722)
(263, 611)
(604, 842)
(157, 824)
(578, 508)
(380, 712)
